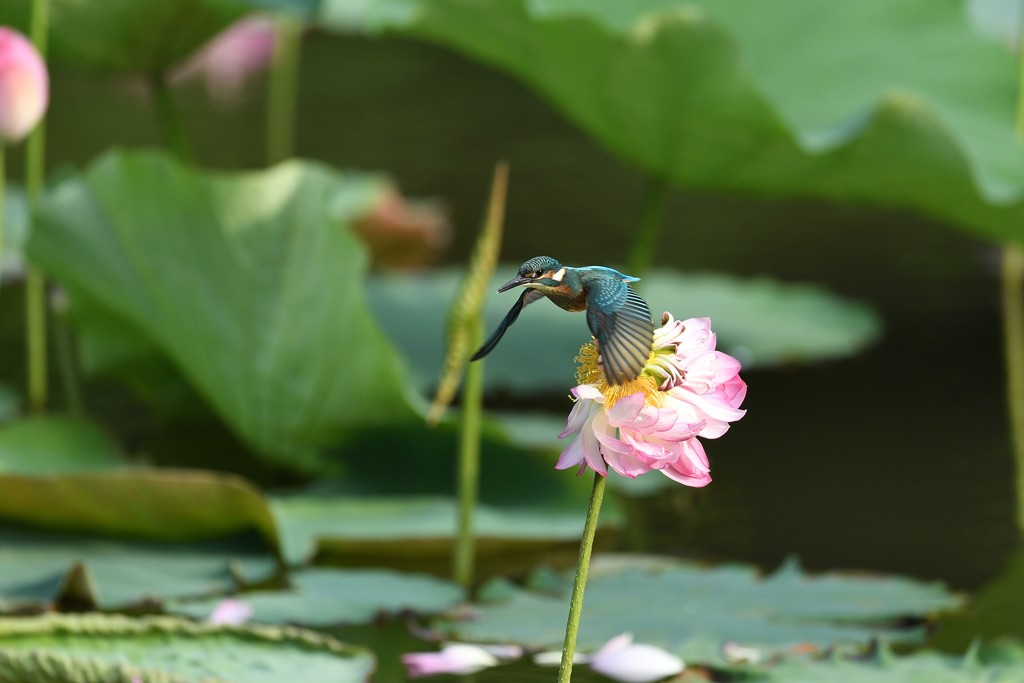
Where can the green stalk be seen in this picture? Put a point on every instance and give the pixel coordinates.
(172, 128)
(64, 343)
(468, 477)
(572, 626)
(284, 78)
(1013, 327)
(1013, 342)
(35, 282)
(641, 256)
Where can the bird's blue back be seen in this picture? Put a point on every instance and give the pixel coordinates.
(604, 270)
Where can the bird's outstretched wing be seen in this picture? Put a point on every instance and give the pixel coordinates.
(621, 322)
(527, 297)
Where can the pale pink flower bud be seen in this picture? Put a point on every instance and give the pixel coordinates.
(24, 86)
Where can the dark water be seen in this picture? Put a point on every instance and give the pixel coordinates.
(896, 460)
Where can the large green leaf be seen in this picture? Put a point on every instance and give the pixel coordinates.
(44, 445)
(888, 103)
(694, 610)
(328, 597)
(114, 649)
(126, 35)
(250, 283)
(761, 321)
(39, 568)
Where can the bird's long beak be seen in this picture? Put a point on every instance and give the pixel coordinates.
(514, 282)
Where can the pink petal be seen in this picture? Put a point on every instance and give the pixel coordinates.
(592, 447)
(571, 456)
(577, 416)
(623, 660)
(588, 391)
(692, 469)
(230, 612)
(626, 410)
(455, 659)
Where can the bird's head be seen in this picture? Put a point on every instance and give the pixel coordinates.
(540, 272)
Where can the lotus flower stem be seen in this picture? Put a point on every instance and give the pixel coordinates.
(65, 347)
(469, 461)
(1013, 328)
(1013, 341)
(172, 129)
(284, 78)
(572, 626)
(642, 254)
(35, 281)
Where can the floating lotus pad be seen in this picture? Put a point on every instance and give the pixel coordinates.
(38, 568)
(693, 610)
(328, 597)
(114, 649)
(1004, 664)
(421, 527)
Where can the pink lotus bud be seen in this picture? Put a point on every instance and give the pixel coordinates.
(24, 86)
(231, 59)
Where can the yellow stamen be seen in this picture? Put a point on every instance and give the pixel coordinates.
(589, 372)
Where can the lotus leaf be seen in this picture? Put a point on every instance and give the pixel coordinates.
(249, 283)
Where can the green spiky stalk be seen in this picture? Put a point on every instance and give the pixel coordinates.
(465, 332)
(467, 486)
(572, 626)
(35, 282)
(283, 90)
(469, 300)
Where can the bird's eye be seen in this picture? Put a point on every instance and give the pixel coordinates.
(536, 273)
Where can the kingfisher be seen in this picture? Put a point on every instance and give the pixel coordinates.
(618, 318)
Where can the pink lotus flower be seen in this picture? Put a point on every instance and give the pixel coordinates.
(24, 86)
(687, 390)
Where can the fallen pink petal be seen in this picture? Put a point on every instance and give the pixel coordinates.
(230, 612)
(687, 391)
(622, 659)
(455, 658)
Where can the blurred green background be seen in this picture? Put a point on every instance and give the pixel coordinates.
(895, 456)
